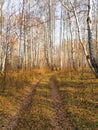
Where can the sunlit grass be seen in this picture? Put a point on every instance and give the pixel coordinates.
(80, 98)
(17, 87)
(78, 90)
(38, 116)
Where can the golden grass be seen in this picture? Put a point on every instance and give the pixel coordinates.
(78, 90)
(80, 98)
(18, 85)
(38, 116)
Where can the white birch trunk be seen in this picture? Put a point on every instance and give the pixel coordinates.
(61, 37)
(90, 40)
(3, 63)
(90, 59)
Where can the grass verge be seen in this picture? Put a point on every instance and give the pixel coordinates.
(80, 98)
(17, 87)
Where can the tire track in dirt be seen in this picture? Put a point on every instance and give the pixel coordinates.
(39, 114)
(59, 121)
(14, 121)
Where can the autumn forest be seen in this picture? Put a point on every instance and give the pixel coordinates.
(48, 65)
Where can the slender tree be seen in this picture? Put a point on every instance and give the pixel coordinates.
(90, 40)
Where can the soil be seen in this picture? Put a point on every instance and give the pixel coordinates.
(60, 119)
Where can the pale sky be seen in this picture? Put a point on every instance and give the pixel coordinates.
(11, 6)
(14, 5)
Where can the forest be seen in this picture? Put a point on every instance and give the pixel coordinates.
(48, 65)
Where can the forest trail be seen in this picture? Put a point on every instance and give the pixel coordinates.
(42, 109)
(14, 121)
(60, 120)
(54, 102)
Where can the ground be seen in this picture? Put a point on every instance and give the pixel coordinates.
(50, 101)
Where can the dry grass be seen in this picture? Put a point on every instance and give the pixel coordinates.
(79, 93)
(78, 90)
(17, 86)
(38, 116)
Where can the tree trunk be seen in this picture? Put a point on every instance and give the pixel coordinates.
(90, 40)
(97, 40)
(72, 44)
(90, 59)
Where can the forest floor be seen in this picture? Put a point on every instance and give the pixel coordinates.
(50, 101)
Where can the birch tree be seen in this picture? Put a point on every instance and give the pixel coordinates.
(90, 40)
(89, 57)
(1, 33)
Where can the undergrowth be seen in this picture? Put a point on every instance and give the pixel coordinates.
(79, 93)
(38, 116)
(17, 86)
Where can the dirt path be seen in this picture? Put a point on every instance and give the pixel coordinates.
(13, 122)
(60, 121)
(42, 108)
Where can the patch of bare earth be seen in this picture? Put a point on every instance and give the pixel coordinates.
(60, 120)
